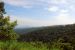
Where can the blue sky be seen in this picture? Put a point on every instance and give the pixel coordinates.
(32, 13)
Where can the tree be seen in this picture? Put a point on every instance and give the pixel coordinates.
(61, 45)
(6, 27)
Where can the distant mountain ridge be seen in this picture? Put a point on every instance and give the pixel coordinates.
(26, 30)
(31, 29)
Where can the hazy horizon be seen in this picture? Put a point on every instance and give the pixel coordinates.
(36, 13)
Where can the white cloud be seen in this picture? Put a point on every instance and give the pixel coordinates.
(64, 19)
(25, 3)
(64, 11)
(53, 8)
(24, 21)
(59, 1)
(57, 20)
(20, 3)
(31, 3)
(56, 6)
(72, 7)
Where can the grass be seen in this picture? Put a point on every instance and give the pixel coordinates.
(22, 46)
(14, 45)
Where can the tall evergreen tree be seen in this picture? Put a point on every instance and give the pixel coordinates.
(6, 27)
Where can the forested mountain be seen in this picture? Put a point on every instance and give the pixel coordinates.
(60, 36)
(25, 30)
(50, 33)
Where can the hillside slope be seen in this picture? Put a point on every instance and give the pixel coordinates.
(51, 33)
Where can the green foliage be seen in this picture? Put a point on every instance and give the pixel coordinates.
(60, 45)
(6, 27)
(21, 46)
(57, 37)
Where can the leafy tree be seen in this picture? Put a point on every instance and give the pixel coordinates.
(6, 27)
(60, 45)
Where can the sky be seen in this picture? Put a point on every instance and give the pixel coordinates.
(34, 13)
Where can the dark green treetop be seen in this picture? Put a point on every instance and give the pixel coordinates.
(6, 27)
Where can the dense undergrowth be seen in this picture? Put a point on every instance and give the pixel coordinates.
(14, 45)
